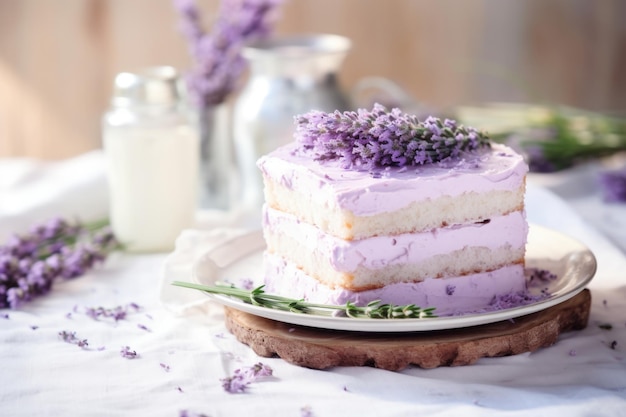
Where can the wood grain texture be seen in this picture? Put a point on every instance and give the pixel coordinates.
(58, 59)
(321, 349)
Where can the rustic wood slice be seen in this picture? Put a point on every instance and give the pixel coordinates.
(321, 349)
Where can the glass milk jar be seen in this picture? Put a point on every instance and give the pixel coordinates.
(152, 150)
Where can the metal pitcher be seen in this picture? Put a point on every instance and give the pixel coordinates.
(288, 76)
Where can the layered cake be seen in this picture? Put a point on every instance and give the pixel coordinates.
(377, 205)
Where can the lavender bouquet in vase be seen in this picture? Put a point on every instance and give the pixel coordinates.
(217, 67)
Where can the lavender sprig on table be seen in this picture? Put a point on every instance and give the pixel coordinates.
(55, 250)
(562, 138)
(365, 139)
(218, 63)
(258, 297)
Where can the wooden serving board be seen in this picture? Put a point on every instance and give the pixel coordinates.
(321, 349)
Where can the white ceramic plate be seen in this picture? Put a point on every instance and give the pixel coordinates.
(241, 259)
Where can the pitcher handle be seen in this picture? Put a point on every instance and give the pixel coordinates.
(370, 90)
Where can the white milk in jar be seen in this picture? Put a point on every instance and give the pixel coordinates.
(152, 152)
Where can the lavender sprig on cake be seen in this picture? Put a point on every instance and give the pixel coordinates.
(380, 137)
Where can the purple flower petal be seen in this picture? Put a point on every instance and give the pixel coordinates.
(613, 185)
(245, 376)
(127, 353)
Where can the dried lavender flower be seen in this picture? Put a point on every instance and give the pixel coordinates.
(127, 353)
(116, 313)
(244, 377)
(70, 337)
(365, 139)
(186, 413)
(538, 276)
(143, 327)
(521, 298)
(218, 63)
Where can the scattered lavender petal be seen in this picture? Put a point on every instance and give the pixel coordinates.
(165, 367)
(186, 413)
(450, 289)
(247, 284)
(245, 376)
(70, 337)
(306, 411)
(117, 313)
(613, 185)
(511, 300)
(34, 327)
(142, 327)
(573, 352)
(127, 353)
(538, 277)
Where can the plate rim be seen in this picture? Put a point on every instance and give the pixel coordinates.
(391, 325)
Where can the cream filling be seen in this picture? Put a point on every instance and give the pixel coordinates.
(450, 296)
(409, 257)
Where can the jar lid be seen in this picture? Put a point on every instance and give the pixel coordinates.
(153, 85)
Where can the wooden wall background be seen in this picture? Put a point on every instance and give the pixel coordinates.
(58, 58)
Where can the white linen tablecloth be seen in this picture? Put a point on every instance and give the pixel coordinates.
(184, 349)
